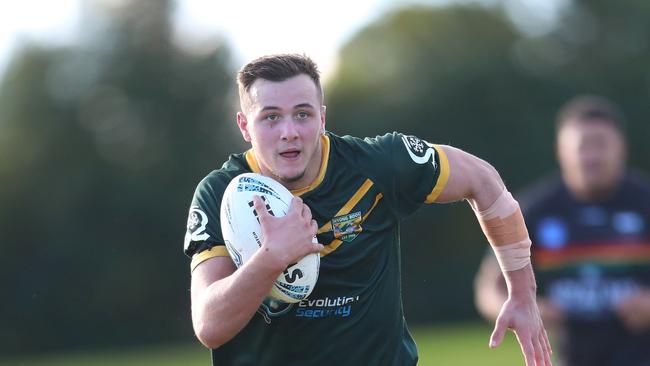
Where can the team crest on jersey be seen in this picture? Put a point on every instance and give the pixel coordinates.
(419, 150)
(347, 227)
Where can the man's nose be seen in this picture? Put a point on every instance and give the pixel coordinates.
(289, 130)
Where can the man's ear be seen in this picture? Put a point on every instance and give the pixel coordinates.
(242, 123)
(323, 109)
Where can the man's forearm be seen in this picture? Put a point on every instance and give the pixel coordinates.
(224, 307)
(521, 282)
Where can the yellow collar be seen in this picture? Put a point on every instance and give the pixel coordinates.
(325, 153)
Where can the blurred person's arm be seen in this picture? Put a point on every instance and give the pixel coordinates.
(476, 181)
(490, 291)
(634, 311)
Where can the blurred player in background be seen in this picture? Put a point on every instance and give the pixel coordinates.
(353, 193)
(590, 228)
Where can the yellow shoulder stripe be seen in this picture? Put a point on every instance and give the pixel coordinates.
(442, 177)
(356, 197)
(216, 251)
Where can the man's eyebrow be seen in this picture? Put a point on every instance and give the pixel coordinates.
(304, 105)
(297, 106)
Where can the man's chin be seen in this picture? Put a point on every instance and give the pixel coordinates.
(289, 179)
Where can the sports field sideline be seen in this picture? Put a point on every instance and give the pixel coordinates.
(452, 345)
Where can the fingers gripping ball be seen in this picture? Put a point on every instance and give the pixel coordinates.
(242, 232)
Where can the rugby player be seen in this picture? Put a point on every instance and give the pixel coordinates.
(352, 193)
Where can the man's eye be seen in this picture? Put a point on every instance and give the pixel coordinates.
(302, 115)
(273, 117)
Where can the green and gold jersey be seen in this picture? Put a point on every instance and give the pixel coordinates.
(354, 315)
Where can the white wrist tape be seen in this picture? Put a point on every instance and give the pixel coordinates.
(503, 225)
(513, 256)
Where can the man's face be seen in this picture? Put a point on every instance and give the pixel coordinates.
(592, 157)
(284, 121)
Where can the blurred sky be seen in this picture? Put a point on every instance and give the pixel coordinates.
(251, 27)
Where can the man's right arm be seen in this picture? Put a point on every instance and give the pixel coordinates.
(224, 298)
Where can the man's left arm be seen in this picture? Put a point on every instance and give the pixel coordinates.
(476, 181)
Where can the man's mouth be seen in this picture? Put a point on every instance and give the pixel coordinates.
(290, 154)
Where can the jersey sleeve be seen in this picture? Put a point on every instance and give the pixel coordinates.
(203, 238)
(411, 170)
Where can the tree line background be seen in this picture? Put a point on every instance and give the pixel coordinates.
(102, 143)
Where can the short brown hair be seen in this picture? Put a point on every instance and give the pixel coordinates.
(590, 108)
(277, 68)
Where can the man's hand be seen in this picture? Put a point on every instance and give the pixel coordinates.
(634, 311)
(287, 239)
(521, 315)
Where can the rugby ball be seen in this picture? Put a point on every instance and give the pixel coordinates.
(242, 232)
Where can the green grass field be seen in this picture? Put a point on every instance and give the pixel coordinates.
(457, 345)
